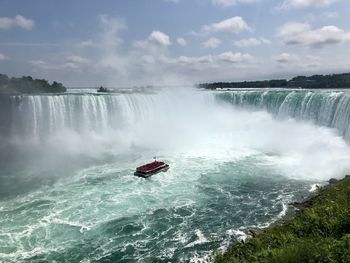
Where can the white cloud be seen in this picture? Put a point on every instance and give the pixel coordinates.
(293, 28)
(3, 57)
(291, 61)
(251, 42)
(234, 24)
(212, 42)
(303, 34)
(226, 57)
(193, 61)
(235, 57)
(156, 38)
(248, 42)
(285, 58)
(226, 3)
(265, 40)
(71, 62)
(110, 30)
(115, 66)
(159, 38)
(77, 59)
(86, 43)
(40, 64)
(181, 41)
(6, 23)
(205, 62)
(287, 4)
(17, 21)
(24, 22)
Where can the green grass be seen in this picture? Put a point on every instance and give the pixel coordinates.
(317, 233)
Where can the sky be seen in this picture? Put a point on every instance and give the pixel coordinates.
(118, 43)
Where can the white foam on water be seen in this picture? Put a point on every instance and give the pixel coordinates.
(283, 212)
(192, 132)
(314, 188)
(200, 239)
(181, 122)
(196, 258)
(239, 234)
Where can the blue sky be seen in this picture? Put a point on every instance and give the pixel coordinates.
(140, 42)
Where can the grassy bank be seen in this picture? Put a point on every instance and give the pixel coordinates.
(319, 232)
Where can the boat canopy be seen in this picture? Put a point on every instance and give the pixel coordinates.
(150, 166)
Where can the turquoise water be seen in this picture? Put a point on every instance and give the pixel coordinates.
(105, 214)
(231, 169)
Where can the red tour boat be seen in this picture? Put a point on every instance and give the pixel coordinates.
(150, 169)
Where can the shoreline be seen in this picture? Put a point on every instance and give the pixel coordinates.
(317, 230)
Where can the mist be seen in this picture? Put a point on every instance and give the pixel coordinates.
(68, 162)
(52, 136)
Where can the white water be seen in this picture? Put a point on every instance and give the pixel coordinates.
(173, 122)
(323, 107)
(231, 169)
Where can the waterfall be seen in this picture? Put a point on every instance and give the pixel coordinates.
(38, 116)
(325, 108)
(41, 133)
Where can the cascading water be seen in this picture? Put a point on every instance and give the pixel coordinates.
(326, 108)
(68, 192)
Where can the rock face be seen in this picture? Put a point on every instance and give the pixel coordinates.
(255, 232)
(333, 181)
(302, 205)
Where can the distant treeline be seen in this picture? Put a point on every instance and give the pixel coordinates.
(28, 85)
(313, 82)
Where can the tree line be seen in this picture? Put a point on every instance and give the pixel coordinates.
(28, 85)
(332, 81)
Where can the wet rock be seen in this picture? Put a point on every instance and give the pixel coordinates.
(255, 232)
(297, 205)
(301, 205)
(333, 181)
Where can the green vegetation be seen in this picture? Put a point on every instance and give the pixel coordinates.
(321, 82)
(28, 85)
(245, 84)
(319, 232)
(313, 82)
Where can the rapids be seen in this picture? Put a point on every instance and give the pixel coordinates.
(237, 159)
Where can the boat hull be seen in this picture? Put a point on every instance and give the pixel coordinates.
(153, 172)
